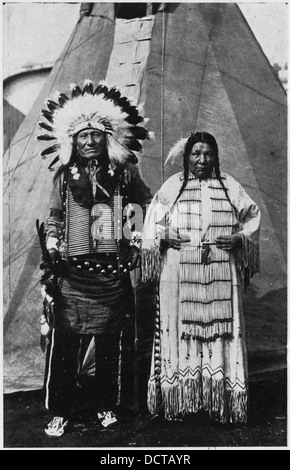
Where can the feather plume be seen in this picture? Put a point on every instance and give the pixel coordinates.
(141, 107)
(117, 153)
(176, 152)
(45, 126)
(132, 110)
(54, 161)
(46, 137)
(124, 103)
(62, 99)
(132, 158)
(134, 119)
(47, 115)
(52, 105)
(98, 89)
(140, 132)
(88, 87)
(114, 95)
(101, 88)
(134, 145)
(49, 150)
(75, 90)
(66, 150)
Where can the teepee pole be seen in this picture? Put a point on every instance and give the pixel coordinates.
(162, 97)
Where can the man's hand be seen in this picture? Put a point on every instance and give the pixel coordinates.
(172, 237)
(229, 242)
(54, 256)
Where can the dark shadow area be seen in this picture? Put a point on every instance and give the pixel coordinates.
(135, 10)
(266, 330)
(25, 419)
(138, 10)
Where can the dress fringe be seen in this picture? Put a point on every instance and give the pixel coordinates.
(248, 259)
(176, 400)
(237, 406)
(150, 264)
(208, 333)
(193, 395)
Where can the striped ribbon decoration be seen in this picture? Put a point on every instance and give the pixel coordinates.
(82, 225)
(205, 289)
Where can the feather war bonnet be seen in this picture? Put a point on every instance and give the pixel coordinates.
(101, 108)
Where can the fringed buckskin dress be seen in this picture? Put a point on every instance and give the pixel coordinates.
(199, 357)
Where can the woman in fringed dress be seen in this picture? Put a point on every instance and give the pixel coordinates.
(201, 242)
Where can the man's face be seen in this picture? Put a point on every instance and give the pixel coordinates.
(91, 143)
(201, 160)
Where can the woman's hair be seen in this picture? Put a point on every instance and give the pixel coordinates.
(205, 138)
(193, 139)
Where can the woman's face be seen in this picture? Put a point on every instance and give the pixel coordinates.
(201, 160)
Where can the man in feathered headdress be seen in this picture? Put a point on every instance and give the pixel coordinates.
(88, 256)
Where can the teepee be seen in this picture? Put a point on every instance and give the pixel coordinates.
(191, 66)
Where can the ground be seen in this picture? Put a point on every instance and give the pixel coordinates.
(24, 420)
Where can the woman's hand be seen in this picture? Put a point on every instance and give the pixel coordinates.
(172, 237)
(229, 242)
